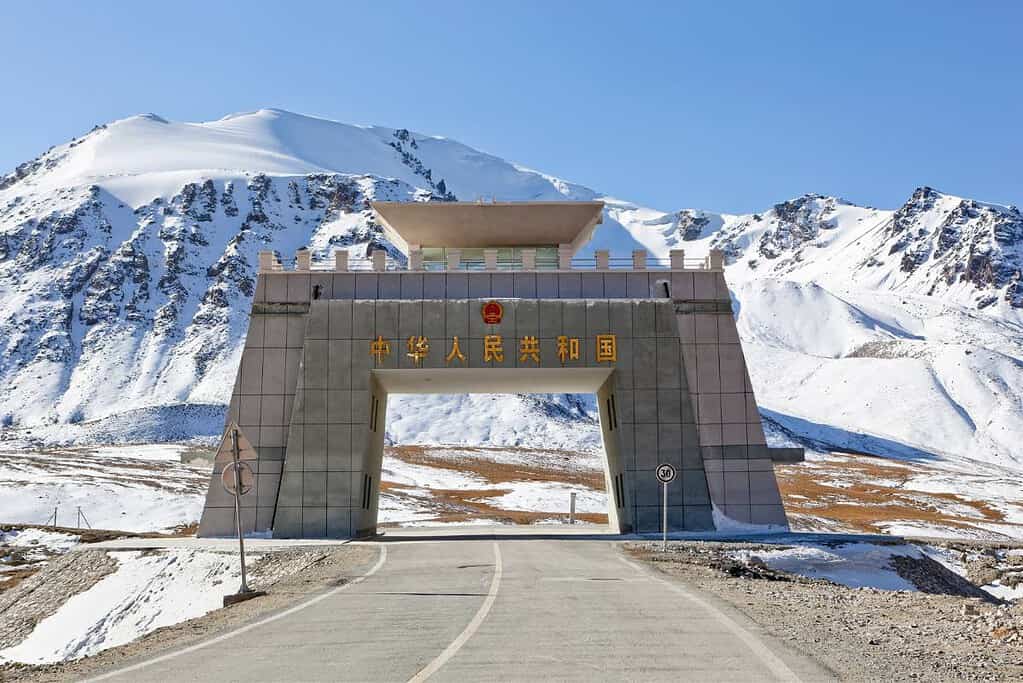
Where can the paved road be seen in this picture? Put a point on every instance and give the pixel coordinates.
(514, 610)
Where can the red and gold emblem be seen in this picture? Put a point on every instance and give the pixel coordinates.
(492, 312)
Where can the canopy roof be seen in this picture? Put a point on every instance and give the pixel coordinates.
(464, 225)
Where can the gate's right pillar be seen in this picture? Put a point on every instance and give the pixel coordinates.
(736, 458)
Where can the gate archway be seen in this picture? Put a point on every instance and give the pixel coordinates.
(656, 343)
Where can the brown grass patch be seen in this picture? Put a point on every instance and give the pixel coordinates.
(499, 473)
(861, 493)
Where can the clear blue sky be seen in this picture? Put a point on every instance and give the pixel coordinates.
(724, 106)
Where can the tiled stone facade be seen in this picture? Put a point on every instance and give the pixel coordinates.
(309, 401)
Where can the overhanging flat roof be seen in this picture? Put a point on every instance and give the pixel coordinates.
(466, 225)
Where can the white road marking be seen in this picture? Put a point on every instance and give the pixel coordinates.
(249, 627)
(469, 630)
(591, 579)
(779, 668)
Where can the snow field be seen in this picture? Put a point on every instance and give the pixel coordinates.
(129, 488)
(148, 590)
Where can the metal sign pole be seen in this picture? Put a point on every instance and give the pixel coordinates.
(238, 507)
(665, 474)
(664, 517)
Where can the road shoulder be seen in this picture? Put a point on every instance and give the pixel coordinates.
(327, 569)
(857, 633)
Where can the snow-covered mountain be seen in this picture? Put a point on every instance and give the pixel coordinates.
(127, 260)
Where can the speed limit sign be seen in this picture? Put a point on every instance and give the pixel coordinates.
(665, 473)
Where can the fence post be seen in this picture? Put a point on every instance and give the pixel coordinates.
(678, 259)
(490, 259)
(267, 260)
(415, 257)
(341, 260)
(529, 259)
(454, 259)
(564, 257)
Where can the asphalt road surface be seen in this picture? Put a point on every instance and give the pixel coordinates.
(483, 610)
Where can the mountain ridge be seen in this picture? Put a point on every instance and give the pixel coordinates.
(126, 280)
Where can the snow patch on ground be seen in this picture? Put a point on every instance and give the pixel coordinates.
(426, 477)
(1004, 592)
(35, 545)
(147, 591)
(170, 452)
(856, 565)
(547, 496)
(726, 525)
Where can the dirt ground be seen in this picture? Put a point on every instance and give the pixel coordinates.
(320, 570)
(461, 505)
(862, 634)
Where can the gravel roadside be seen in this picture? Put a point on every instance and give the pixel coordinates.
(289, 577)
(863, 634)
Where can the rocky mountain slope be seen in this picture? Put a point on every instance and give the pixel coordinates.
(127, 260)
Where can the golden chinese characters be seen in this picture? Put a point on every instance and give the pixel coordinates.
(455, 352)
(568, 348)
(607, 348)
(493, 348)
(418, 347)
(380, 349)
(529, 347)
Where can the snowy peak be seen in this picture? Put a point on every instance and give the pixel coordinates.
(796, 222)
(273, 142)
(779, 241)
(691, 225)
(940, 243)
(935, 244)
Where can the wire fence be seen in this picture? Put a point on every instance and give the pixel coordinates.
(81, 521)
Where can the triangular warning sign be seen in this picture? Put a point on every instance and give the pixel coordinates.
(245, 449)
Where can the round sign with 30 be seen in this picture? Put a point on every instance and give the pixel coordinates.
(665, 473)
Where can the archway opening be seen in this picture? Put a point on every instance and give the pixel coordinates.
(495, 447)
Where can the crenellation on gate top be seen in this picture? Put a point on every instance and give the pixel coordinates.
(525, 260)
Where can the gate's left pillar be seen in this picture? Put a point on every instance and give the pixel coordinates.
(321, 475)
(261, 406)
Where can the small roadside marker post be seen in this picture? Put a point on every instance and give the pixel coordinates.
(231, 478)
(665, 475)
(571, 509)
